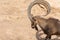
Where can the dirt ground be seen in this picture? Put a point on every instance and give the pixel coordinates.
(14, 22)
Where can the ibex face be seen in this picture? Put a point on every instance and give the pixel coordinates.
(40, 21)
(37, 20)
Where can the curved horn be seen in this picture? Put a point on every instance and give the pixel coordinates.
(29, 11)
(44, 3)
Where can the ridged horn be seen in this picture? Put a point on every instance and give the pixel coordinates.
(42, 2)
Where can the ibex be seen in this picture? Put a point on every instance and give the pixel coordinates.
(49, 26)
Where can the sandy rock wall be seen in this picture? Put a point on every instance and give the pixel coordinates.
(14, 22)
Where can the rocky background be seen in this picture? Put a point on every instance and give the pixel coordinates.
(14, 22)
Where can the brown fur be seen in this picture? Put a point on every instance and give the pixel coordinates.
(50, 26)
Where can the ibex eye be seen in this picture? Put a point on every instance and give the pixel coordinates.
(34, 19)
